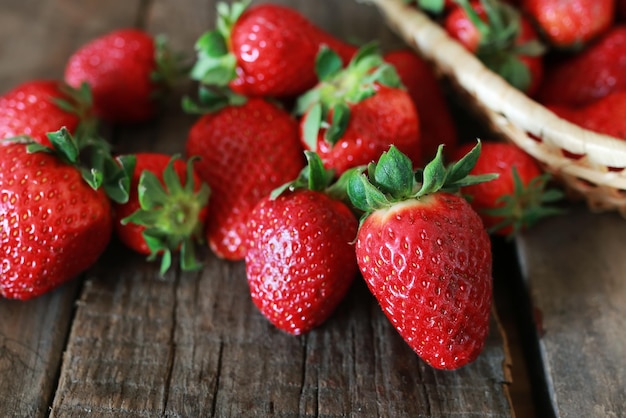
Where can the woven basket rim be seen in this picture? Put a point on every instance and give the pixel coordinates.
(495, 94)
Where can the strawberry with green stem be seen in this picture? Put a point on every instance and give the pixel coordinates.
(300, 260)
(502, 38)
(166, 210)
(36, 107)
(518, 198)
(355, 113)
(128, 71)
(264, 50)
(425, 255)
(54, 224)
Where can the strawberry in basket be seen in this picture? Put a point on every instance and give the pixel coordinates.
(582, 78)
(605, 116)
(502, 38)
(572, 23)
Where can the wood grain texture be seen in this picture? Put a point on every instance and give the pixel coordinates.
(193, 344)
(575, 266)
(32, 338)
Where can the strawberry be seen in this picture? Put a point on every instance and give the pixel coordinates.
(300, 261)
(605, 116)
(582, 78)
(34, 109)
(37, 107)
(54, 225)
(245, 152)
(436, 122)
(163, 215)
(518, 198)
(439, 7)
(127, 69)
(502, 38)
(356, 112)
(262, 50)
(572, 23)
(425, 255)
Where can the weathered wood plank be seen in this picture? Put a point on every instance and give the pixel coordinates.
(195, 345)
(32, 337)
(576, 273)
(36, 37)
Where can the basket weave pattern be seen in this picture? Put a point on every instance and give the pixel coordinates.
(587, 164)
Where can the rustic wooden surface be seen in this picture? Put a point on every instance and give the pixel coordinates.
(575, 267)
(119, 341)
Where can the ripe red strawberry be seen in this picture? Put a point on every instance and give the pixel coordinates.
(54, 226)
(166, 210)
(356, 112)
(589, 75)
(605, 116)
(264, 50)
(37, 107)
(425, 256)
(571, 23)
(518, 198)
(438, 7)
(127, 70)
(502, 38)
(300, 261)
(436, 122)
(245, 152)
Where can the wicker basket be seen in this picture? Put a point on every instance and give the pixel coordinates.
(588, 165)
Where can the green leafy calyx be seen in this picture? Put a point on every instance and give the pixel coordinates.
(527, 205)
(170, 67)
(499, 49)
(92, 153)
(171, 214)
(211, 99)
(327, 106)
(392, 179)
(314, 176)
(215, 64)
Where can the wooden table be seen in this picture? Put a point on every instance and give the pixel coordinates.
(119, 341)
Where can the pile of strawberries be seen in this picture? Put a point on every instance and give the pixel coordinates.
(567, 55)
(311, 160)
